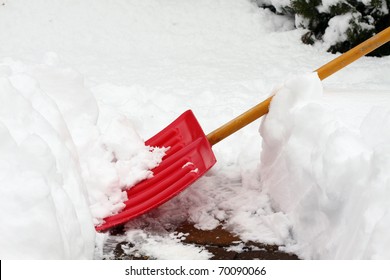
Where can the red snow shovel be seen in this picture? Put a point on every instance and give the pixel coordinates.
(190, 154)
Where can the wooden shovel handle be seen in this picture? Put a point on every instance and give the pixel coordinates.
(323, 72)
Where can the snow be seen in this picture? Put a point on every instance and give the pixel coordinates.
(330, 176)
(338, 26)
(84, 83)
(42, 194)
(167, 246)
(278, 4)
(327, 4)
(337, 29)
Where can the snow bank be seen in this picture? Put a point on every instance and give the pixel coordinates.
(59, 173)
(44, 211)
(329, 175)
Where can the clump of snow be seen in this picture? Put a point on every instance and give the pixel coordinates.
(338, 26)
(327, 4)
(337, 29)
(163, 247)
(329, 176)
(115, 163)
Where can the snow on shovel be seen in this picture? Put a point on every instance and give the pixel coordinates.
(190, 154)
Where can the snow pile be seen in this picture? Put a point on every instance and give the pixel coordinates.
(43, 197)
(59, 173)
(330, 176)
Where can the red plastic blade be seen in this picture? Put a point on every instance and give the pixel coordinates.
(189, 157)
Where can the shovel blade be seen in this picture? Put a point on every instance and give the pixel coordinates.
(188, 158)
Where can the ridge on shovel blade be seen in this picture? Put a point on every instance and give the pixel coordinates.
(188, 158)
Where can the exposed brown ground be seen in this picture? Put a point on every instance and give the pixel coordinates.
(219, 242)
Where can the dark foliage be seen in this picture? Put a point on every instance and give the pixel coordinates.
(365, 20)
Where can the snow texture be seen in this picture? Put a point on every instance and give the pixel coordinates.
(328, 176)
(84, 83)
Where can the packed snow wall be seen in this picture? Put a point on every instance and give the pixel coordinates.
(325, 163)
